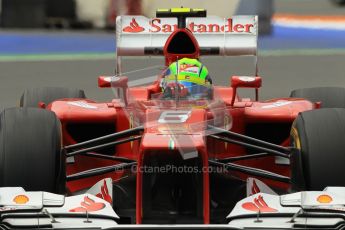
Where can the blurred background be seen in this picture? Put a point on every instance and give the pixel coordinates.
(69, 43)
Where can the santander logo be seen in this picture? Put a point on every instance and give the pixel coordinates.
(155, 25)
(259, 204)
(255, 188)
(133, 27)
(104, 193)
(88, 205)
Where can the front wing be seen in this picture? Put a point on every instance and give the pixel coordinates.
(314, 209)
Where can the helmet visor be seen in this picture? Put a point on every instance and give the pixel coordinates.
(195, 90)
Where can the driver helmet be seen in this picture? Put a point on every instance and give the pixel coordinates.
(190, 75)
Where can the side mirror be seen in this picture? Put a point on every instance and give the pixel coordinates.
(245, 82)
(119, 85)
(112, 81)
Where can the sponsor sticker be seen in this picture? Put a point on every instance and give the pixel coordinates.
(6, 209)
(324, 199)
(258, 205)
(276, 104)
(82, 104)
(246, 79)
(104, 193)
(133, 27)
(88, 205)
(111, 79)
(21, 199)
(157, 25)
(174, 117)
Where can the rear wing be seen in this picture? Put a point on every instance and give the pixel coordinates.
(141, 36)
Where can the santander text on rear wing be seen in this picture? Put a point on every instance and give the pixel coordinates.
(139, 35)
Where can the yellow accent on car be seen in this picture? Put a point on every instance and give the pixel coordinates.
(295, 136)
(180, 10)
(198, 9)
(162, 10)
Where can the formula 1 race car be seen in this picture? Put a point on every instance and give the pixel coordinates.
(145, 159)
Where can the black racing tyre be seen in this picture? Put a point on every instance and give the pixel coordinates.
(339, 2)
(320, 137)
(31, 97)
(30, 150)
(330, 97)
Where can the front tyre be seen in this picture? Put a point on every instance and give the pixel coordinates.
(30, 152)
(339, 2)
(320, 137)
(330, 97)
(31, 97)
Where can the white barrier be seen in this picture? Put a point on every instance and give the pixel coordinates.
(98, 12)
(222, 8)
(92, 11)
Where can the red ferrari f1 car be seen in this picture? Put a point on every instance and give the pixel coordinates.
(172, 160)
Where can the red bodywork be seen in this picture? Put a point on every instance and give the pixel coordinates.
(248, 117)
